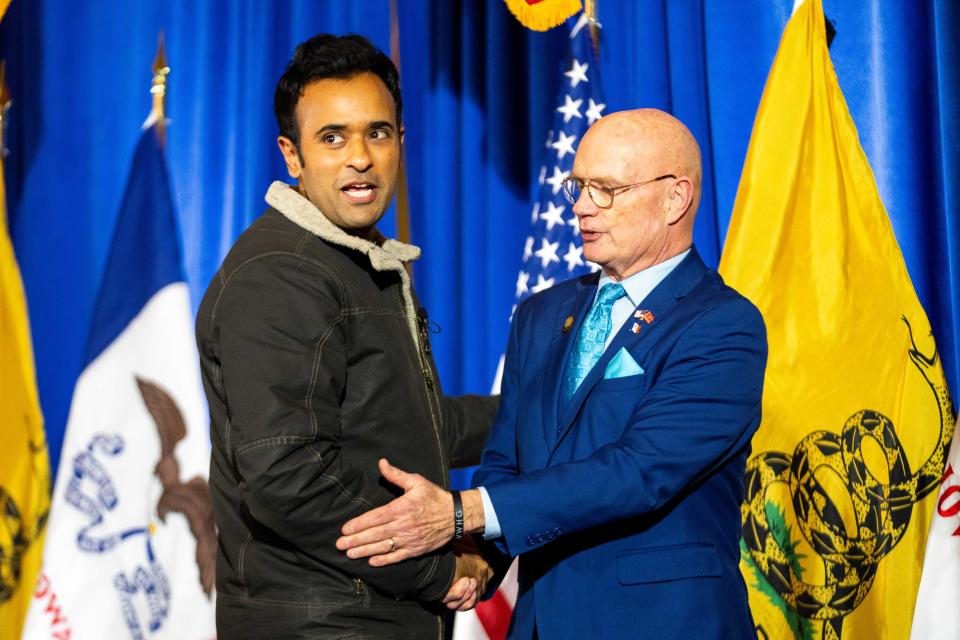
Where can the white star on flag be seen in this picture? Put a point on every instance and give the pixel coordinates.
(543, 175)
(557, 179)
(564, 145)
(582, 21)
(528, 248)
(542, 284)
(553, 215)
(522, 279)
(573, 257)
(594, 111)
(570, 108)
(547, 253)
(577, 73)
(575, 223)
(536, 212)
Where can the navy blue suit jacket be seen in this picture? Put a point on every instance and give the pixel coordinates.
(624, 503)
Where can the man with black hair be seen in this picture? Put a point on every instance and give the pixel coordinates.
(316, 363)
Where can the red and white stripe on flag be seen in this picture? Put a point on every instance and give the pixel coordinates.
(491, 619)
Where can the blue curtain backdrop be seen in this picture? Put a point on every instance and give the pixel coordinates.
(479, 92)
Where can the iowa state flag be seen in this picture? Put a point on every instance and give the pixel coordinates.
(131, 541)
(857, 418)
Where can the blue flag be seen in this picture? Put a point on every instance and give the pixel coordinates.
(131, 542)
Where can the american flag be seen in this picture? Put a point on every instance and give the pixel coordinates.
(552, 253)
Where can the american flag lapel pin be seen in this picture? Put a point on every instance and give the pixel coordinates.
(643, 314)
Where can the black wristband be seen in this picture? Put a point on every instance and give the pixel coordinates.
(457, 515)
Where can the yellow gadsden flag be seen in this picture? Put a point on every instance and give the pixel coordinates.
(24, 467)
(857, 418)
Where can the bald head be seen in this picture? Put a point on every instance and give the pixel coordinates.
(652, 162)
(650, 143)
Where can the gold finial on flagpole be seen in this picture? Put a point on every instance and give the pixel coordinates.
(5, 102)
(160, 70)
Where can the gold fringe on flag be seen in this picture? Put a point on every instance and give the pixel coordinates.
(541, 15)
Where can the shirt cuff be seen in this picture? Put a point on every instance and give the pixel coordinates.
(491, 526)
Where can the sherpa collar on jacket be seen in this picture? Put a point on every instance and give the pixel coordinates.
(389, 256)
(288, 201)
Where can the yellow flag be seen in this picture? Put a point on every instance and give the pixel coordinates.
(857, 417)
(24, 466)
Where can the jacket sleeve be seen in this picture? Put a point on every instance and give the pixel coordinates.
(699, 413)
(467, 420)
(283, 359)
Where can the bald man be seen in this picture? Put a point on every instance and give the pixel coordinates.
(615, 466)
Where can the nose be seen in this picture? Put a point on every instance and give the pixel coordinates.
(584, 205)
(358, 155)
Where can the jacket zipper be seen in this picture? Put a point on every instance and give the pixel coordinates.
(431, 398)
(361, 590)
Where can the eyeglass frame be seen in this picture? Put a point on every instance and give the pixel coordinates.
(586, 183)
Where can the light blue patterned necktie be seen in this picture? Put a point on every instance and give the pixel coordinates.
(593, 334)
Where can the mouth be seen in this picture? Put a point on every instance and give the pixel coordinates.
(359, 192)
(589, 236)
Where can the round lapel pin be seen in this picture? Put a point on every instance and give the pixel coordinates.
(567, 324)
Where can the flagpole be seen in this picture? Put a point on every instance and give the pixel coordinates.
(403, 201)
(590, 8)
(158, 89)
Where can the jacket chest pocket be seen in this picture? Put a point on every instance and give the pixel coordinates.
(637, 381)
(606, 412)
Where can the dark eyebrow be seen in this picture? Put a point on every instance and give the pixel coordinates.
(330, 128)
(339, 128)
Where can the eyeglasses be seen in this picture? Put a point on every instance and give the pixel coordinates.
(600, 192)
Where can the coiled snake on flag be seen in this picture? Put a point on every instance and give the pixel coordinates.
(20, 530)
(882, 510)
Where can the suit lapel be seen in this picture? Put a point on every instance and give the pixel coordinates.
(575, 306)
(659, 302)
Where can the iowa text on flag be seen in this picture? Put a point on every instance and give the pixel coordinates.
(131, 541)
(936, 615)
(857, 417)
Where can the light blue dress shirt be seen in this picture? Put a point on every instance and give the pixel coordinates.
(637, 286)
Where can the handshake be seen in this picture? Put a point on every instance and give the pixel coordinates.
(418, 522)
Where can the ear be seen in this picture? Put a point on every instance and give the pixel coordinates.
(291, 156)
(402, 131)
(679, 199)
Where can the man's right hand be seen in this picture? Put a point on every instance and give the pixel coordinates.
(470, 578)
(419, 521)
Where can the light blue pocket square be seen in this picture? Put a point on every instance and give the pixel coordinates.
(622, 365)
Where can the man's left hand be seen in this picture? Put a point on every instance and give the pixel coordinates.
(416, 523)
